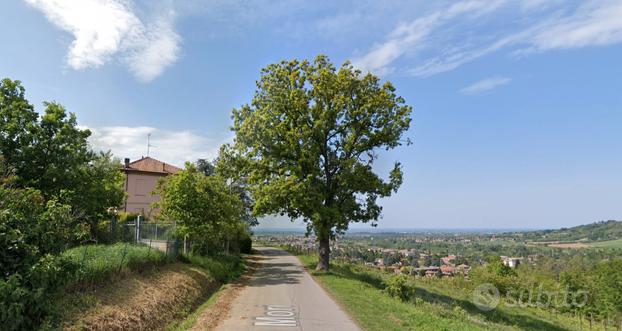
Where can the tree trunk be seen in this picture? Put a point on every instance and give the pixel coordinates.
(324, 253)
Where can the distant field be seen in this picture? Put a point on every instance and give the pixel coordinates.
(617, 243)
(570, 245)
(608, 244)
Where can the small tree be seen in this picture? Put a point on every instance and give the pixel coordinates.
(203, 206)
(311, 136)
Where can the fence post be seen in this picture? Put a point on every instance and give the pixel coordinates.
(138, 219)
(113, 227)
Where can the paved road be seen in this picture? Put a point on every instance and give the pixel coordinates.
(282, 295)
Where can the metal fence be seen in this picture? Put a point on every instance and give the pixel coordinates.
(156, 235)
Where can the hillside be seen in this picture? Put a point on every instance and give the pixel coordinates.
(594, 232)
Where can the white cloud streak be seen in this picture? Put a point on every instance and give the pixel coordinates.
(104, 30)
(174, 147)
(594, 23)
(412, 37)
(485, 85)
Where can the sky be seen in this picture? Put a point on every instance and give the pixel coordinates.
(517, 119)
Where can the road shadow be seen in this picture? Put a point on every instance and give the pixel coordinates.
(274, 273)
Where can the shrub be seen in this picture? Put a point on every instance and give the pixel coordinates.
(246, 244)
(27, 301)
(398, 287)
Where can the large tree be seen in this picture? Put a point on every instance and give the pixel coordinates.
(310, 137)
(51, 154)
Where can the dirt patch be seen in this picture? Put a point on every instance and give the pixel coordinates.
(219, 311)
(147, 301)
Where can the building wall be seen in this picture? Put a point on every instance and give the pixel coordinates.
(139, 187)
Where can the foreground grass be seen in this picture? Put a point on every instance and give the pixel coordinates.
(97, 263)
(438, 304)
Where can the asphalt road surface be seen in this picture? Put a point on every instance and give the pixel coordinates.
(281, 295)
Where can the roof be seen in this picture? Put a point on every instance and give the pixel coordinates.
(148, 164)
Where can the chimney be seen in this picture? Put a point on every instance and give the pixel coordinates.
(127, 162)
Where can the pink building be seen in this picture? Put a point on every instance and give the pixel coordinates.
(141, 179)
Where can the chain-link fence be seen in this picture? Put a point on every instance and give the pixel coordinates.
(159, 236)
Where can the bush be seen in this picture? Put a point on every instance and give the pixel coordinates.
(246, 244)
(27, 301)
(398, 287)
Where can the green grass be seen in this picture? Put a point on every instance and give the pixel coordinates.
(608, 244)
(438, 304)
(98, 263)
(223, 268)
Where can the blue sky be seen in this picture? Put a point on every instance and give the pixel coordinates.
(517, 104)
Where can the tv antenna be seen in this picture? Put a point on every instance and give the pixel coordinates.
(149, 143)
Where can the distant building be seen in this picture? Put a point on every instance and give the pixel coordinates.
(447, 270)
(433, 271)
(141, 179)
(449, 259)
(511, 262)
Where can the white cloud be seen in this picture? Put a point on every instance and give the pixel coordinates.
(107, 29)
(448, 38)
(593, 24)
(174, 147)
(412, 37)
(485, 85)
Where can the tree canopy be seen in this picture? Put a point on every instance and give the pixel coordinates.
(51, 154)
(204, 207)
(310, 137)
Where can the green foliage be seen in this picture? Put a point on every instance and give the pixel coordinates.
(398, 287)
(309, 139)
(246, 243)
(27, 299)
(598, 231)
(205, 209)
(495, 273)
(101, 189)
(31, 228)
(51, 154)
(53, 191)
(17, 122)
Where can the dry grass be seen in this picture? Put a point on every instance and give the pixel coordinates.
(141, 301)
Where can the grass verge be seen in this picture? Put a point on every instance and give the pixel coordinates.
(155, 290)
(443, 304)
(99, 263)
